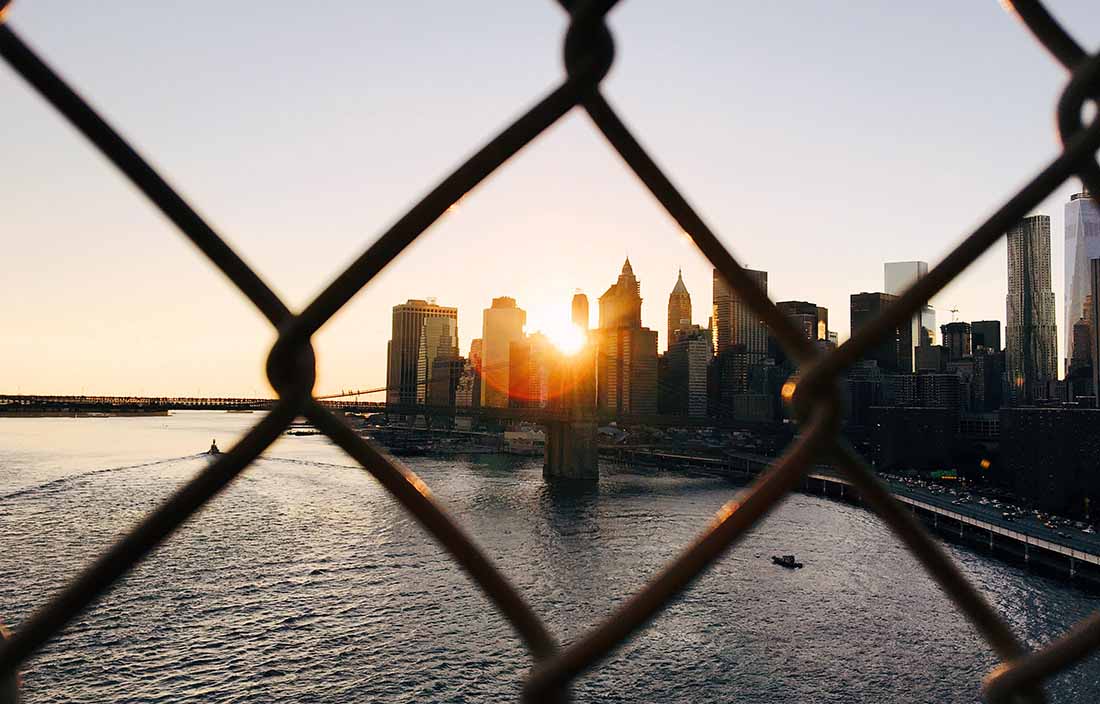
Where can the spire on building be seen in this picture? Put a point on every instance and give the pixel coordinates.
(627, 271)
(680, 288)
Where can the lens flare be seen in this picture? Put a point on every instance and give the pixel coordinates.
(568, 338)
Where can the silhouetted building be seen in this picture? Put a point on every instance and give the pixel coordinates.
(1081, 344)
(1032, 357)
(580, 310)
(685, 381)
(1050, 457)
(810, 318)
(913, 438)
(502, 324)
(403, 350)
(988, 381)
(956, 339)
(931, 358)
(964, 369)
(734, 322)
(679, 310)
(986, 333)
(863, 389)
(446, 374)
(626, 353)
(940, 390)
(621, 303)
(895, 352)
(626, 370)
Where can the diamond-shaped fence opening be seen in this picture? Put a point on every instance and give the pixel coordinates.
(589, 52)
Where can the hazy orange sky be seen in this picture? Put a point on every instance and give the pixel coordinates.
(818, 139)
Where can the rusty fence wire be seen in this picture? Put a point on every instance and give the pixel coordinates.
(588, 53)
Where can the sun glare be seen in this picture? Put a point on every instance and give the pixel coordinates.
(567, 337)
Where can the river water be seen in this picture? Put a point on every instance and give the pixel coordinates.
(304, 581)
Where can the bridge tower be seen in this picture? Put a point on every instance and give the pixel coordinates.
(571, 449)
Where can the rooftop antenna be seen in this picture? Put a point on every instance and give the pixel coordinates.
(954, 314)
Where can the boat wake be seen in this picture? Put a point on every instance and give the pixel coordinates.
(61, 483)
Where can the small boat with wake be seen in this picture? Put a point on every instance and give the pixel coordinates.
(786, 561)
(213, 451)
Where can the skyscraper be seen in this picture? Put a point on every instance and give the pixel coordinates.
(621, 303)
(811, 319)
(734, 323)
(1082, 244)
(626, 355)
(438, 340)
(502, 324)
(580, 310)
(956, 339)
(404, 347)
(899, 276)
(987, 334)
(688, 359)
(1031, 353)
(679, 310)
(895, 352)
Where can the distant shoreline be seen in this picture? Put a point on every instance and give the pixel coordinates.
(38, 413)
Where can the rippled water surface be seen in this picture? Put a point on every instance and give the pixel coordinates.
(305, 582)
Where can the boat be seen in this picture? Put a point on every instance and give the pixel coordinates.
(786, 561)
(213, 451)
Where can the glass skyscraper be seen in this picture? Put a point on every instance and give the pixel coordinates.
(899, 276)
(1082, 244)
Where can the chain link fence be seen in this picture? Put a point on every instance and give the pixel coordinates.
(588, 53)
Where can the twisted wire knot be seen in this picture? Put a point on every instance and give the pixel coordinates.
(589, 47)
(292, 367)
(1083, 86)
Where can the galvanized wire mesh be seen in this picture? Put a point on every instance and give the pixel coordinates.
(589, 52)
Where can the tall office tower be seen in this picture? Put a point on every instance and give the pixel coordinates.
(894, 353)
(986, 386)
(956, 339)
(899, 276)
(404, 347)
(443, 385)
(626, 370)
(1032, 356)
(1081, 345)
(1082, 244)
(502, 324)
(580, 310)
(734, 322)
(987, 334)
(621, 303)
(811, 319)
(686, 384)
(626, 356)
(438, 340)
(679, 310)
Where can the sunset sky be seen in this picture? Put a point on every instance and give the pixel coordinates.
(818, 139)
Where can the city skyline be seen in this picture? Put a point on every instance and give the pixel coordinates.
(301, 176)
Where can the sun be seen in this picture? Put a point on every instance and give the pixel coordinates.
(567, 337)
